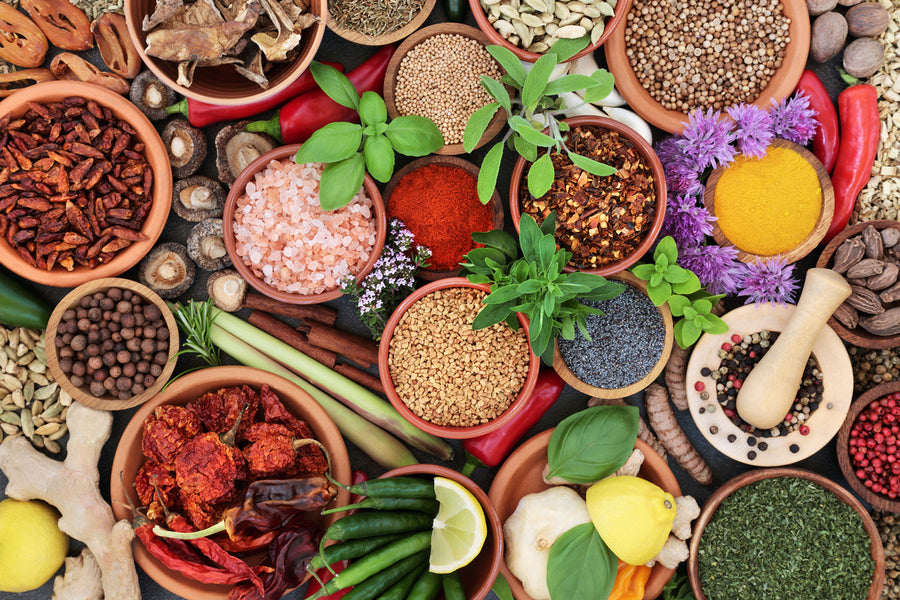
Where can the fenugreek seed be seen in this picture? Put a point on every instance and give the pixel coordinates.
(11, 418)
(48, 429)
(570, 32)
(51, 446)
(63, 430)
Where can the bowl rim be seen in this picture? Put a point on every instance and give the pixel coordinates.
(237, 189)
(154, 152)
(385, 38)
(659, 186)
(732, 485)
(447, 431)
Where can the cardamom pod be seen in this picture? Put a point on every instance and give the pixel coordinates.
(848, 254)
(884, 324)
(847, 316)
(890, 236)
(874, 244)
(884, 279)
(867, 267)
(892, 294)
(865, 300)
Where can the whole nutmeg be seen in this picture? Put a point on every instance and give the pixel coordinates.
(829, 32)
(818, 7)
(863, 57)
(868, 19)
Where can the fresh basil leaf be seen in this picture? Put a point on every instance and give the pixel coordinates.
(529, 237)
(565, 48)
(603, 88)
(581, 566)
(643, 271)
(593, 443)
(537, 79)
(500, 240)
(677, 304)
(490, 170)
(688, 287)
(333, 142)
(498, 91)
(548, 226)
(510, 63)
(569, 83)
(380, 128)
(341, 181)
(413, 135)
(491, 314)
(501, 588)
(531, 135)
(666, 247)
(716, 325)
(659, 294)
(540, 176)
(335, 84)
(478, 124)
(591, 166)
(526, 150)
(379, 157)
(372, 108)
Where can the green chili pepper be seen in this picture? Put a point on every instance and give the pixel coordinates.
(20, 307)
(426, 588)
(400, 590)
(396, 487)
(453, 589)
(375, 585)
(350, 549)
(421, 504)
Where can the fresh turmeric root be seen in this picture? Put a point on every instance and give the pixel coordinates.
(670, 434)
(676, 374)
(644, 432)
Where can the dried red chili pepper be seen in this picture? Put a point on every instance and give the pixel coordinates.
(166, 432)
(312, 458)
(288, 556)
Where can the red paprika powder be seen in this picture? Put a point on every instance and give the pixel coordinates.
(439, 205)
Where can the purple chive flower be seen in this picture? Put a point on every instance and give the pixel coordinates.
(770, 280)
(687, 222)
(753, 132)
(794, 120)
(715, 266)
(682, 172)
(707, 139)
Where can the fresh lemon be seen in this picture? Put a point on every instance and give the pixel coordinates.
(632, 515)
(32, 548)
(459, 529)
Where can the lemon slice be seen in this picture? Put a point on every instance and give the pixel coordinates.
(459, 529)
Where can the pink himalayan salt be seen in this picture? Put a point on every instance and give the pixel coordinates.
(287, 240)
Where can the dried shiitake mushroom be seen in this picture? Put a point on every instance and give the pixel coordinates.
(151, 96)
(197, 198)
(167, 270)
(186, 146)
(236, 148)
(206, 245)
(227, 289)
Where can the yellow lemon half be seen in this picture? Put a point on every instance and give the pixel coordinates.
(459, 529)
(32, 548)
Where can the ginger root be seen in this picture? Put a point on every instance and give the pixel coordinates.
(81, 581)
(676, 374)
(644, 432)
(673, 553)
(72, 487)
(686, 510)
(663, 421)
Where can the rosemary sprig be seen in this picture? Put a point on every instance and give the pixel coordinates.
(194, 320)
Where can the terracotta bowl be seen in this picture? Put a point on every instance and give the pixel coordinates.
(223, 85)
(129, 459)
(494, 204)
(157, 157)
(610, 25)
(826, 212)
(569, 377)
(82, 394)
(237, 189)
(390, 79)
(659, 186)
(479, 575)
(520, 475)
(387, 38)
(445, 431)
(757, 475)
(859, 336)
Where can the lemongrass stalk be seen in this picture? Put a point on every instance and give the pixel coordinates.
(381, 446)
(357, 397)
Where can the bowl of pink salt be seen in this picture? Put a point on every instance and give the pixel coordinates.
(285, 245)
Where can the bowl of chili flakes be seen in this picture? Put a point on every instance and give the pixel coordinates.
(204, 402)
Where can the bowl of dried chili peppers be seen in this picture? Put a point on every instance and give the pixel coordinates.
(229, 465)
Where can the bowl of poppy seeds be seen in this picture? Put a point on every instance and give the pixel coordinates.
(785, 533)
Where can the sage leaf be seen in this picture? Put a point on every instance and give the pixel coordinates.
(335, 84)
(548, 226)
(531, 135)
(540, 176)
(603, 87)
(379, 157)
(537, 78)
(539, 331)
(569, 83)
(490, 170)
(412, 135)
(546, 251)
(529, 237)
(331, 143)
(593, 443)
(581, 566)
(591, 166)
(341, 181)
(498, 91)
(510, 63)
(491, 314)
(566, 48)
(500, 240)
(478, 124)
(372, 108)
(526, 150)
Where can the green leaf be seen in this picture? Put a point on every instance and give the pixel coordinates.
(604, 86)
(540, 176)
(500, 240)
(666, 247)
(643, 271)
(501, 588)
(526, 150)
(540, 330)
(531, 135)
(702, 306)
(690, 313)
(569, 83)
(498, 91)
(677, 304)
(716, 325)
(341, 181)
(546, 251)
(335, 84)
(567, 329)
(591, 166)
(510, 63)
(372, 108)
(659, 294)
(581, 566)
(379, 157)
(490, 170)
(565, 49)
(548, 226)
(688, 287)
(413, 135)
(529, 237)
(478, 124)
(676, 274)
(537, 78)
(593, 443)
(549, 307)
(331, 143)
(380, 128)
(686, 332)
(490, 315)
(503, 295)
(529, 287)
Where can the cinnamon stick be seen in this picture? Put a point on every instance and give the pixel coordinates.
(313, 312)
(360, 377)
(291, 337)
(354, 347)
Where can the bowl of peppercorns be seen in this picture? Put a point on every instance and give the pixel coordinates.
(110, 343)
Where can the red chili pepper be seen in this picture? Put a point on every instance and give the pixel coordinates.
(324, 575)
(297, 120)
(861, 128)
(201, 114)
(827, 138)
(490, 449)
(357, 477)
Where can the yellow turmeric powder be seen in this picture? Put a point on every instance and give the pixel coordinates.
(767, 206)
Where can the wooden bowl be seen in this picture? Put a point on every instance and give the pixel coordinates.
(859, 336)
(223, 85)
(843, 440)
(387, 38)
(520, 475)
(494, 204)
(128, 458)
(390, 78)
(447, 431)
(826, 212)
(157, 157)
(757, 475)
(610, 25)
(237, 189)
(569, 377)
(82, 394)
(479, 575)
(780, 86)
(659, 186)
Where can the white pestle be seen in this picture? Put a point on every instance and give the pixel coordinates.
(770, 389)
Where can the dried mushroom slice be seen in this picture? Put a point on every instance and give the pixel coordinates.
(197, 198)
(227, 289)
(167, 270)
(186, 146)
(236, 148)
(206, 245)
(151, 96)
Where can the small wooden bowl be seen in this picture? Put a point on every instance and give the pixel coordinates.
(478, 576)
(859, 336)
(758, 475)
(82, 394)
(780, 86)
(447, 431)
(826, 212)
(520, 475)
(390, 78)
(237, 189)
(157, 157)
(387, 38)
(569, 377)
(494, 204)
(129, 458)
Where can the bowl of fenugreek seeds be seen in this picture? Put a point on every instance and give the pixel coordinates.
(373, 23)
(447, 378)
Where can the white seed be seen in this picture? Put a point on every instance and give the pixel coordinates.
(63, 430)
(562, 11)
(570, 32)
(606, 9)
(505, 28)
(530, 21)
(586, 23)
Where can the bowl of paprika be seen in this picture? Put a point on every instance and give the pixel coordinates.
(437, 200)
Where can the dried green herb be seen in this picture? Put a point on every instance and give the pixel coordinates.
(373, 17)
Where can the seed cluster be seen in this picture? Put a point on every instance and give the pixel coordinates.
(889, 529)
(448, 373)
(874, 446)
(711, 53)
(872, 367)
(440, 79)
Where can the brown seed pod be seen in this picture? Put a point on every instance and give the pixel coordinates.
(115, 45)
(16, 80)
(21, 42)
(64, 24)
(71, 66)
